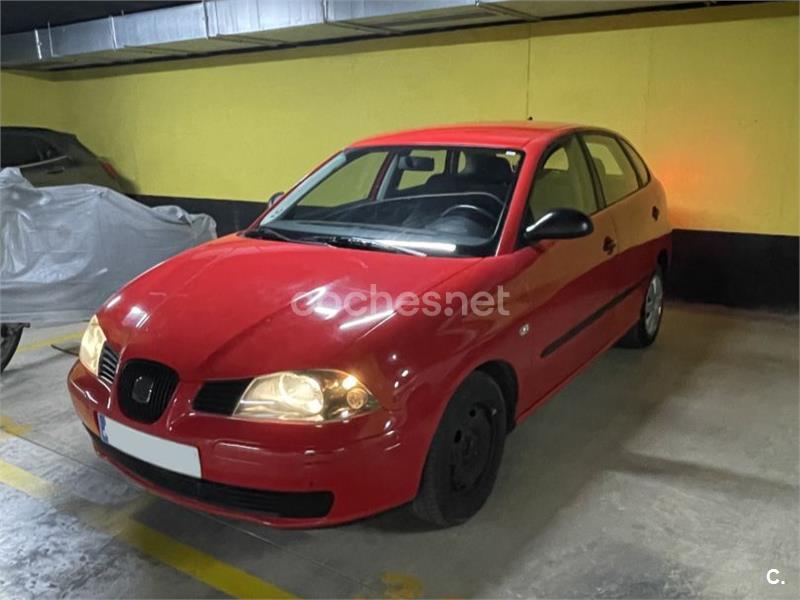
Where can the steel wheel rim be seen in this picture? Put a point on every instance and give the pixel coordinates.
(653, 305)
(471, 449)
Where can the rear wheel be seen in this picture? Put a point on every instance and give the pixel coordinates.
(465, 454)
(644, 332)
(11, 334)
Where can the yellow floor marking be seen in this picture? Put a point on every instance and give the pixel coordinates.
(401, 586)
(9, 427)
(182, 557)
(25, 482)
(199, 565)
(67, 337)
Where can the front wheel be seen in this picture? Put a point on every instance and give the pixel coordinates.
(465, 454)
(644, 332)
(11, 334)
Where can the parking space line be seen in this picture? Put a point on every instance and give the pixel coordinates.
(67, 337)
(201, 566)
(25, 482)
(9, 426)
(182, 557)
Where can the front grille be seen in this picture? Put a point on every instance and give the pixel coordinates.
(109, 361)
(220, 397)
(293, 505)
(144, 389)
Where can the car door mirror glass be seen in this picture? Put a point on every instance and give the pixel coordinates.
(559, 224)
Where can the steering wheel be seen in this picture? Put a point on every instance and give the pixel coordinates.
(481, 211)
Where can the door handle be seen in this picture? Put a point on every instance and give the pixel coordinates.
(609, 245)
(56, 170)
(655, 213)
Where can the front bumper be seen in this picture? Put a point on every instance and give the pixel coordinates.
(282, 474)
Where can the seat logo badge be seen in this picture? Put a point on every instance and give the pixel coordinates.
(142, 389)
(524, 330)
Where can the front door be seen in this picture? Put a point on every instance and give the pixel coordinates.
(572, 284)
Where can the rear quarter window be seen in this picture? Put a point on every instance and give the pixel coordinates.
(638, 163)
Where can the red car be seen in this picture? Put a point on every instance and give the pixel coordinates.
(374, 336)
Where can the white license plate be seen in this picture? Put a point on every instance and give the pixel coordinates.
(149, 448)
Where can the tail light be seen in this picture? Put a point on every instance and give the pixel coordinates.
(108, 168)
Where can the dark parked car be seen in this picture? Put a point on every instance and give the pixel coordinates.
(46, 157)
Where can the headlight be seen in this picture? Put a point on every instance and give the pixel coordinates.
(92, 345)
(316, 396)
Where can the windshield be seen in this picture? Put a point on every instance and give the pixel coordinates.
(422, 200)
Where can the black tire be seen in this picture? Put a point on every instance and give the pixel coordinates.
(11, 334)
(465, 454)
(645, 331)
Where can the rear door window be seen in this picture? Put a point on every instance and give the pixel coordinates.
(615, 171)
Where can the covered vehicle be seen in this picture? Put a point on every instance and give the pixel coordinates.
(65, 249)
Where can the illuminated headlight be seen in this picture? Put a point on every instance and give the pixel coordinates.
(92, 345)
(315, 396)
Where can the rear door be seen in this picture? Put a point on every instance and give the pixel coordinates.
(631, 202)
(572, 284)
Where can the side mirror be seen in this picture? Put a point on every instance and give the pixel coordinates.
(559, 224)
(274, 198)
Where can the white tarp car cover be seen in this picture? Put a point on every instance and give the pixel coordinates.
(65, 249)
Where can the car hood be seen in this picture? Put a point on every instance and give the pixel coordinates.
(229, 308)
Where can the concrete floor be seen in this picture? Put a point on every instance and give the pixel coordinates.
(664, 473)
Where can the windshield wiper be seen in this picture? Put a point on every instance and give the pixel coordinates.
(265, 232)
(344, 241)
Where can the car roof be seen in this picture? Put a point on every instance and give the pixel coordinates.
(516, 134)
(40, 130)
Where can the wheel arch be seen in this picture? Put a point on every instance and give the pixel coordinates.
(500, 371)
(663, 261)
(505, 376)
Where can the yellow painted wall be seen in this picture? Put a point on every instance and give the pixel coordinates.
(246, 126)
(709, 96)
(712, 105)
(29, 100)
